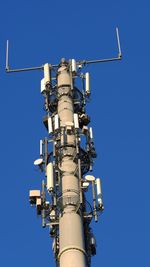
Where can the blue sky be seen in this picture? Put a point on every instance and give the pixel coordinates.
(45, 31)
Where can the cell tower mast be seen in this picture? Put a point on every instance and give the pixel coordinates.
(62, 201)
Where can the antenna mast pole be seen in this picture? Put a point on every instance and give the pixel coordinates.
(66, 163)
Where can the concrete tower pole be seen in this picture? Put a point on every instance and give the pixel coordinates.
(71, 236)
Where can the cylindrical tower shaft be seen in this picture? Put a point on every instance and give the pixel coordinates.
(72, 248)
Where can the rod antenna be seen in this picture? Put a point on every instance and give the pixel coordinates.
(118, 41)
(7, 56)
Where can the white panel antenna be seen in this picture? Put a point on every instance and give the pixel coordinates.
(47, 78)
(99, 191)
(73, 66)
(87, 83)
(91, 132)
(56, 122)
(50, 125)
(76, 121)
(41, 147)
(50, 177)
(43, 88)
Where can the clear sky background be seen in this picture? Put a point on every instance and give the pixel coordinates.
(45, 31)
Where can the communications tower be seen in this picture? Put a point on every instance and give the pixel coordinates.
(66, 157)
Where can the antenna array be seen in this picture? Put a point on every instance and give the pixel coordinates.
(66, 162)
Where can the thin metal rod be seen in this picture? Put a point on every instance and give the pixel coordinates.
(24, 69)
(7, 56)
(118, 41)
(84, 62)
